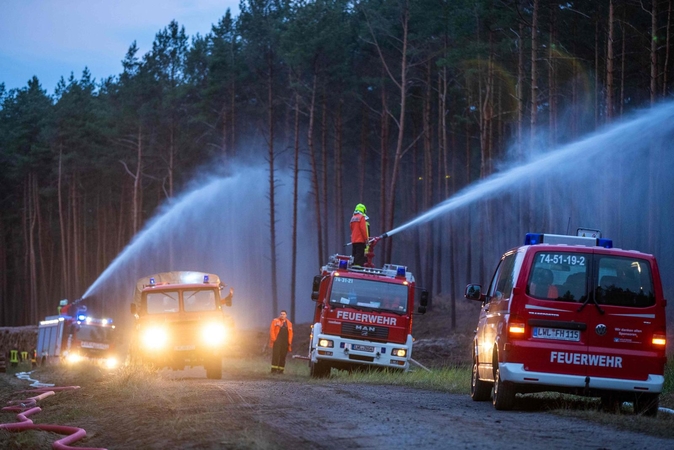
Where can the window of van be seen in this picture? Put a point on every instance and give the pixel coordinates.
(624, 281)
(504, 278)
(559, 276)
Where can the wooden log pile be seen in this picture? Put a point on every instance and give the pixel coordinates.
(22, 339)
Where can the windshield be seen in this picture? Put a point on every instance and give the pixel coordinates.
(162, 302)
(369, 294)
(94, 333)
(201, 300)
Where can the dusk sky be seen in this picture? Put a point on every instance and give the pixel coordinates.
(50, 38)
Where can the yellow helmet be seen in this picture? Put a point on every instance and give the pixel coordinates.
(361, 208)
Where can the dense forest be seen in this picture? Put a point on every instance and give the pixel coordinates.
(399, 104)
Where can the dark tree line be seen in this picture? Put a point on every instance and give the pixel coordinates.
(394, 103)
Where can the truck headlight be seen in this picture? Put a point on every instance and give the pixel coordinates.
(325, 343)
(155, 338)
(399, 352)
(214, 333)
(73, 358)
(111, 362)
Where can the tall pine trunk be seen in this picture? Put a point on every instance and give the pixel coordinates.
(272, 186)
(314, 174)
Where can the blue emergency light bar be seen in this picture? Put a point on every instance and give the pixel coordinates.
(82, 317)
(343, 264)
(400, 272)
(205, 278)
(540, 238)
(152, 283)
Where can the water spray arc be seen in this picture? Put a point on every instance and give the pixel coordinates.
(587, 151)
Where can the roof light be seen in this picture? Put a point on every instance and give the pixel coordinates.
(343, 264)
(606, 243)
(400, 272)
(205, 278)
(554, 239)
(533, 239)
(81, 317)
(152, 282)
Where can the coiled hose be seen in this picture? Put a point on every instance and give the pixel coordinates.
(27, 407)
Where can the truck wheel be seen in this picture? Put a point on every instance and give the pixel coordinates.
(504, 393)
(647, 404)
(319, 369)
(214, 369)
(480, 391)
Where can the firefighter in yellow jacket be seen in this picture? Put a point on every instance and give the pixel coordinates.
(280, 340)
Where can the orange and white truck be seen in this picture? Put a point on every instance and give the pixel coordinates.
(180, 322)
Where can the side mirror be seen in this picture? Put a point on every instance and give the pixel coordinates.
(423, 299)
(227, 301)
(473, 292)
(133, 309)
(315, 287)
(423, 302)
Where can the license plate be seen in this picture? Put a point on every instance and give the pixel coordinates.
(184, 347)
(557, 334)
(362, 348)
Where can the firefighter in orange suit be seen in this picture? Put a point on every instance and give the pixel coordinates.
(360, 233)
(280, 340)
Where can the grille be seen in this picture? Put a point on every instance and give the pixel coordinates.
(363, 330)
(361, 358)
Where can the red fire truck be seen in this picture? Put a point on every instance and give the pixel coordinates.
(363, 316)
(76, 337)
(571, 314)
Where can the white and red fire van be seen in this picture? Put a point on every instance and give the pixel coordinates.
(571, 314)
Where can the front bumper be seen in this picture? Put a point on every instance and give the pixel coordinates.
(347, 352)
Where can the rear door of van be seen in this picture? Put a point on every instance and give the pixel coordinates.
(556, 333)
(626, 326)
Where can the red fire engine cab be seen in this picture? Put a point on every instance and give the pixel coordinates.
(571, 314)
(363, 316)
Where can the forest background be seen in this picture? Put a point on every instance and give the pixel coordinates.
(398, 104)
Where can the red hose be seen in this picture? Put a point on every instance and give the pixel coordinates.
(27, 407)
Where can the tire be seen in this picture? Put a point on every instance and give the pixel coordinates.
(214, 369)
(647, 404)
(480, 391)
(319, 369)
(504, 393)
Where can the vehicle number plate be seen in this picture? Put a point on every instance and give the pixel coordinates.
(362, 348)
(557, 334)
(184, 347)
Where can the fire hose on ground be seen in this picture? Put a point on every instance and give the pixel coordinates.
(27, 407)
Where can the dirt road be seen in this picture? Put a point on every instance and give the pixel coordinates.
(255, 410)
(291, 413)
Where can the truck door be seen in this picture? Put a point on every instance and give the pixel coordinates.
(620, 341)
(492, 316)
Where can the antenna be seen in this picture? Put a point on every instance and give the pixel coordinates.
(568, 226)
